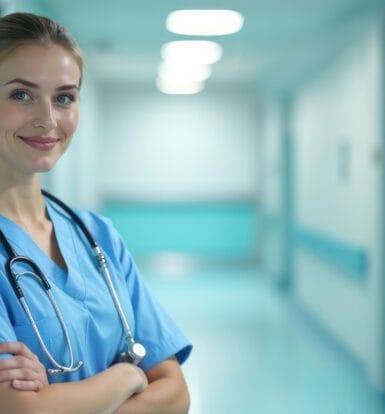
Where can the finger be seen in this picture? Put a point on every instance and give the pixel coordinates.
(19, 374)
(22, 385)
(19, 362)
(22, 368)
(16, 348)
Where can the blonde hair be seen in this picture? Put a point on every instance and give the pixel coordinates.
(22, 29)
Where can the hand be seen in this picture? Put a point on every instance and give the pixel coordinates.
(143, 379)
(24, 369)
(140, 377)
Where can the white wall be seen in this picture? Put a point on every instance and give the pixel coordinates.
(272, 190)
(338, 193)
(272, 157)
(178, 148)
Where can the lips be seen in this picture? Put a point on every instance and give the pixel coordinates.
(39, 142)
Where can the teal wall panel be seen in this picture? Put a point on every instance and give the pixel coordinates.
(353, 260)
(208, 229)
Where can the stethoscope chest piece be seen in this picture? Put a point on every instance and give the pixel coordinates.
(135, 353)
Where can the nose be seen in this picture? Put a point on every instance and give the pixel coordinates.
(44, 116)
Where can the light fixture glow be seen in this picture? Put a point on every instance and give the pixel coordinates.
(204, 22)
(198, 51)
(179, 88)
(180, 71)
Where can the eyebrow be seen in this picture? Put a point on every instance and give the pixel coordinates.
(36, 86)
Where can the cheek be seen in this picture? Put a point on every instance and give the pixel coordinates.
(10, 118)
(70, 123)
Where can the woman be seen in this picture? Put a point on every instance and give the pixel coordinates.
(40, 77)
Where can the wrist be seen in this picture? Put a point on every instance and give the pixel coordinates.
(132, 377)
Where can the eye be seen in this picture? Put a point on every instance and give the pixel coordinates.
(65, 99)
(22, 96)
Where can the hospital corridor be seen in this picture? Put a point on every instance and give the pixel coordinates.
(238, 148)
(255, 352)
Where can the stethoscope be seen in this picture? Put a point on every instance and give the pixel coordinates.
(135, 351)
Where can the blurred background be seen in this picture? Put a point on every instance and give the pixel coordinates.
(253, 200)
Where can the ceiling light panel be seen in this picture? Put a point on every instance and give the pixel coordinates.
(204, 22)
(198, 51)
(183, 71)
(179, 88)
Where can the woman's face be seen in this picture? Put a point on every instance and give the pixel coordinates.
(39, 92)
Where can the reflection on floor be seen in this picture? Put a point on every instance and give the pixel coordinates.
(254, 353)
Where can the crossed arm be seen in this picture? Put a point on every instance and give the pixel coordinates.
(120, 389)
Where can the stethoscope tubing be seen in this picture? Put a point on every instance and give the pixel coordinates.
(135, 352)
(102, 262)
(40, 277)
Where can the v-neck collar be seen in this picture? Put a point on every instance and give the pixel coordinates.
(21, 240)
(26, 246)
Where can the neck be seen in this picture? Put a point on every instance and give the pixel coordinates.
(21, 199)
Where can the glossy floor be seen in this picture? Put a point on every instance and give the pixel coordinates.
(254, 351)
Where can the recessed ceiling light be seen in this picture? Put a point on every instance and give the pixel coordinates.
(182, 71)
(179, 88)
(204, 22)
(198, 51)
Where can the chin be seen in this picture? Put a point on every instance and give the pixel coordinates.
(44, 166)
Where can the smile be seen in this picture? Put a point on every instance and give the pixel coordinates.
(40, 143)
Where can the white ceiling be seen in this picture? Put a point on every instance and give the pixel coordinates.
(281, 41)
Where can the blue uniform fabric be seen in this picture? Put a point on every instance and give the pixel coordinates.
(83, 297)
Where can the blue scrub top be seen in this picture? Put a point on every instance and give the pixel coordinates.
(83, 298)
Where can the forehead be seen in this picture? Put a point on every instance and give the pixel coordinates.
(44, 65)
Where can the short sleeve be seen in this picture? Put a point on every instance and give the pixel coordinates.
(154, 327)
